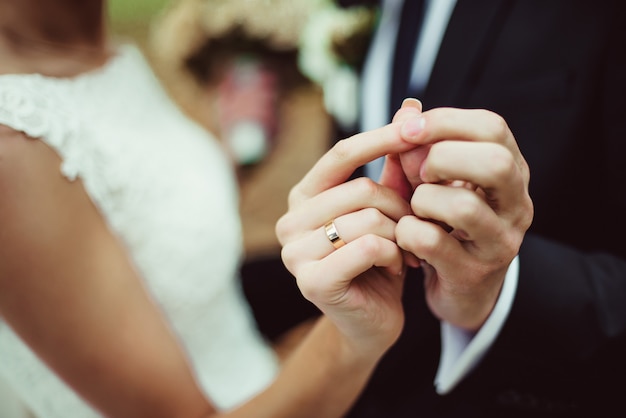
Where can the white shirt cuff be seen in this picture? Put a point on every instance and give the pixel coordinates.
(462, 350)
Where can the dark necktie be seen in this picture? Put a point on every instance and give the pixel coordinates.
(350, 3)
(410, 22)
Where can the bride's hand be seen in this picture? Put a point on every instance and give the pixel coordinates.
(357, 280)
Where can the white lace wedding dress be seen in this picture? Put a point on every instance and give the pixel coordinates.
(167, 190)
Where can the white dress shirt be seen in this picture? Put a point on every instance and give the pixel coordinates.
(461, 351)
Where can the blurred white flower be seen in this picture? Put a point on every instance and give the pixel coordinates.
(330, 29)
(341, 96)
(316, 57)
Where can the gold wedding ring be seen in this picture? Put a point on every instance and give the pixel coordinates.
(333, 235)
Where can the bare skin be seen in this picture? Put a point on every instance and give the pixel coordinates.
(467, 182)
(59, 39)
(91, 285)
(56, 233)
(469, 209)
(71, 293)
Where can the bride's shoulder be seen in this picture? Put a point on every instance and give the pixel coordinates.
(12, 143)
(23, 156)
(29, 176)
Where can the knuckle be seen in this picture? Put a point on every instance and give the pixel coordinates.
(341, 151)
(372, 218)
(283, 228)
(430, 237)
(436, 157)
(289, 258)
(280, 227)
(402, 226)
(529, 214)
(424, 240)
(501, 162)
(508, 245)
(512, 244)
(370, 246)
(307, 288)
(294, 195)
(526, 214)
(525, 171)
(508, 249)
(498, 127)
(466, 207)
(307, 284)
(367, 186)
(421, 194)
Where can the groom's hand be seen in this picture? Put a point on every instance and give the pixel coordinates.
(469, 184)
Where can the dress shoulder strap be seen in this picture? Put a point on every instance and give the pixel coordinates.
(33, 104)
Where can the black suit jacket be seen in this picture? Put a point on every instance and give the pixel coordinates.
(556, 71)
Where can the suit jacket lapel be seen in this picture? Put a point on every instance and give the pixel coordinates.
(468, 40)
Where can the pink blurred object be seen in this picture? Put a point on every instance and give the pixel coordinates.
(247, 109)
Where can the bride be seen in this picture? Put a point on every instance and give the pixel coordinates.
(121, 245)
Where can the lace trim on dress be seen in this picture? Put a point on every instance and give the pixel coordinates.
(27, 104)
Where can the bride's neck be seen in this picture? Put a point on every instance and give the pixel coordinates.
(60, 38)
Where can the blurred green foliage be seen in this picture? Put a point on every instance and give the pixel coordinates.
(125, 12)
(132, 18)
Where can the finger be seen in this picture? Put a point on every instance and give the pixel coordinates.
(338, 164)
(411, 260)
(445, 124)
(345, 198)
(352, 196)
(489, 166)
(393, 175)
(316, 244)
(460, 209)
(411, 163)
(432, 244)
(328, 280)
(410, 107)
(459, 286)
(476, 125)
(409, 167)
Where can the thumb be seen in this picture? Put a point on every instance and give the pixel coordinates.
(393, 175)
(410, 108)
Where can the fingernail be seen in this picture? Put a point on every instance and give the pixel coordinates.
(412, 102)
(412, 127)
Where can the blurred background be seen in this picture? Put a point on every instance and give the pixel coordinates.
(133, 18)
(225, 62)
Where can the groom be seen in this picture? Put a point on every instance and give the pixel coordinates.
(555, 72)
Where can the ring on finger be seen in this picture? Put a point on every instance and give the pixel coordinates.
(333, 235)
